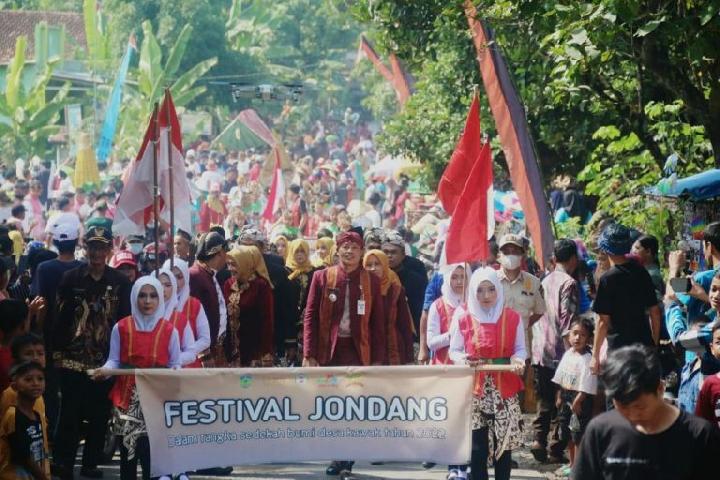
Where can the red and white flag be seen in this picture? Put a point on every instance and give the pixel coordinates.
(277, 188)
(170, 133)
(135, 205)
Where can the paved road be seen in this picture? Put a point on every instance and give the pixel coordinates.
(316, 471)
(528, 469)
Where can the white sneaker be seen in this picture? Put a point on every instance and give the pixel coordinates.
(183, 476)
(452, 475)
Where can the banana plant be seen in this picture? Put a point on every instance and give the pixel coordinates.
(97, 37)
(27, 118)
(153, 76)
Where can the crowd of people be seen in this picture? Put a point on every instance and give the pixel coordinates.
(345, 275)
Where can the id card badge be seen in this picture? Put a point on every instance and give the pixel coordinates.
(361, 307)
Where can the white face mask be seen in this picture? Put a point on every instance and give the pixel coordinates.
(135, 248)
(510, 262)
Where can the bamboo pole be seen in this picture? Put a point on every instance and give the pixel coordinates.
(114, 372)
(156, 192)
(172, 180)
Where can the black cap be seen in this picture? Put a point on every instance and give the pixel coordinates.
(210, 244)
(99, 234)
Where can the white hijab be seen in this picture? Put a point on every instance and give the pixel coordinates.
(184, 293)
(146, 323)
(452, 298)
(483, 316)
(172, 303)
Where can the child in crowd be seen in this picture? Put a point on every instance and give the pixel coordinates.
(23, 429)
(577, 384)
(13, 323)
(691, 375)
(708, 402)
(25, 348)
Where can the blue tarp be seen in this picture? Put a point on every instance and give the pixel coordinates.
(696, 187)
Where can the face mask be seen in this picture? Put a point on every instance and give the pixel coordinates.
(510, 262)
(135, 248)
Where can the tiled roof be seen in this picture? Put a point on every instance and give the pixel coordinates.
(15, 23)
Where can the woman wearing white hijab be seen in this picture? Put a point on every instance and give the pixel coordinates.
(141, 340)
(190, 312)
(440, 314)
(485, 332)
(187, 340)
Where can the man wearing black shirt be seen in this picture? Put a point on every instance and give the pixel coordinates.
(91, 299)
(644, 437)
(411, 279)
(625, 296)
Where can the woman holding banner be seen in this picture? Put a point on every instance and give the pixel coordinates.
(399, 327)
(454, 288)
(141, 340)
(485, 333)
(249, 297)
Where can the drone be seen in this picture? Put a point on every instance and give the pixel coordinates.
(267, 91)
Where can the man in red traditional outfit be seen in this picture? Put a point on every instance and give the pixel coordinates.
(344, 323)
(211, 252)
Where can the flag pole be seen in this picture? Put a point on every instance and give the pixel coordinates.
(171, 178)
(156, 192)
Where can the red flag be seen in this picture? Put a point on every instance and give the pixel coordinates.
(513, 130)
(463, 158)
(277, 188)
(401, 81)
(473, 222)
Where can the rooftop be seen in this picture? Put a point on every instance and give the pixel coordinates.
(14, 23)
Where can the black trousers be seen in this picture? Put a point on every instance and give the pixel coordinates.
(128, 467)
(81, 399)
(546, 420)
(480, 454)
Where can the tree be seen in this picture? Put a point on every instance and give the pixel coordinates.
(27, 118)
(578, 67)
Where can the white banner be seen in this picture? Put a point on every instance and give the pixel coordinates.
(200, 418)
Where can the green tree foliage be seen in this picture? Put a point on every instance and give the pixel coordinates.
(27, 118)
(611, 87)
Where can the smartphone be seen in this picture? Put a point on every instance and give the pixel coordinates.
(680, 285)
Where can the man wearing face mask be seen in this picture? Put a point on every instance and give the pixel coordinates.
(523, 291)
(135, 244)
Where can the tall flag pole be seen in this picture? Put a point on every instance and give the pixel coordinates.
(112, 111)
(170, 173)
(156, 191)
(514, 135)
